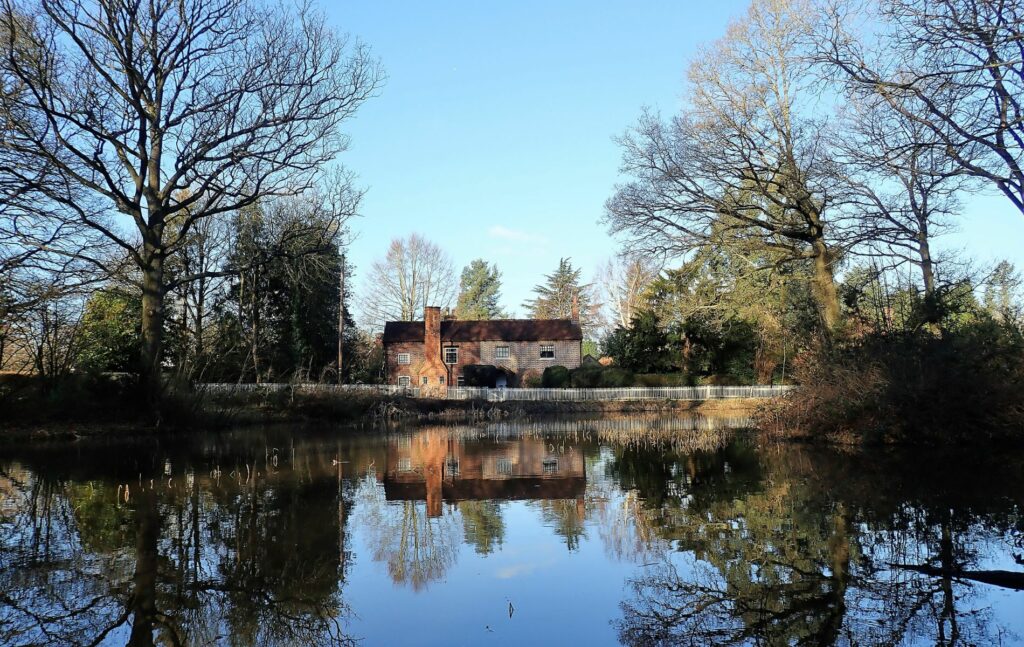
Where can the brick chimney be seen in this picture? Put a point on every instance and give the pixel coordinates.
(575, 312)
(432, 334)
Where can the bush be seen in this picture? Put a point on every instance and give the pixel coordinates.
(598, 377)
(481, 375)
(960, 387)
(663, 379)
(555, 377)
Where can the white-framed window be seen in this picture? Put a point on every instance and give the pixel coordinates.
(424, 380)
(440, 380)
(404, 358)
(451, 355)
(404, 380)
(504, 466)
(547, 351)
(502, 352)
(460, 381)
(452, 465)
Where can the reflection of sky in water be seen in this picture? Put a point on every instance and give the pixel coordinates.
(602, 525)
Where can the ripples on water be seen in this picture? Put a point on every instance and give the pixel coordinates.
(633, 530)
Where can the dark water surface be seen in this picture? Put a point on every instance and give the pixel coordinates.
(636, 531)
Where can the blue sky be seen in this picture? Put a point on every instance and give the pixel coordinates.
(493, 134)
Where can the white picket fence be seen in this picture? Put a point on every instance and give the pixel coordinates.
(227, 388)
(506, 395)
(628, 393)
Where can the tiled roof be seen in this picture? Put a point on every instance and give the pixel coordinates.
(487, 330)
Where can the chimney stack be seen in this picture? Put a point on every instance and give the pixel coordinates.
(432, 331)
(575, 314)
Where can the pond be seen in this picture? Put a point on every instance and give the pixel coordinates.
(616, 530)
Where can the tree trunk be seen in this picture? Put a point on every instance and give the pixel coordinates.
(152, 324)
(341, 322)
(825, 292)
(927, 267)
(143, 598)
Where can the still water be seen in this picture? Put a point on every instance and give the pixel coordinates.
(592, 532)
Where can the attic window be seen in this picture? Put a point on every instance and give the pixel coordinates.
(547, 351)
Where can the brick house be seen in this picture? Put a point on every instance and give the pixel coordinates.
(432, 353)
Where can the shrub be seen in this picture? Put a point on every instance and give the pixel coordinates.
(592, 377)
(556, 377)
(962, 386)
(663, 379)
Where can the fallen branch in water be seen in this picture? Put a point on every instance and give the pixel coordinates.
(1006, 579)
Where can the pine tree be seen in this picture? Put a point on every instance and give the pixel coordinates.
(555, 298)
(1001, 289)
(479, 292)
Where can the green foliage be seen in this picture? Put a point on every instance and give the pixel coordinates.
(481, 375)
(279, 317)
(482, 525)
(1002, 292)
(479, 292)
(601, 377)
(555, 297)
(592, 348)
(729, 314)
(663, 379)
(110, 333)
(556, 377)
(644, 347)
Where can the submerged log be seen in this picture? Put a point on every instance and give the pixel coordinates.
(1006, 579)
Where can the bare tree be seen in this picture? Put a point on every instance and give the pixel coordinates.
(230, 100)
(623, 281)
(904, 185)
(955, 68)
(413, 274)
(746, 161)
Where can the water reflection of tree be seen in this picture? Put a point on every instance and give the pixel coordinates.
(41, 604)
(175, 562)
(797, 561)
(280, 563)
(567, 517)
(417, 548)
(482, 525)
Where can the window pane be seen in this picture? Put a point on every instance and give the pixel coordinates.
(451, 355)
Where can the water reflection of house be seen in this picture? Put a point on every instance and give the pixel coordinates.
(436, 467)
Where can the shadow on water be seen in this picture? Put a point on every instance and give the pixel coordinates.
(702, 536)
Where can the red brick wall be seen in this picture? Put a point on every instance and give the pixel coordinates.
(524, 360)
